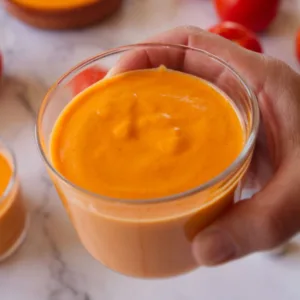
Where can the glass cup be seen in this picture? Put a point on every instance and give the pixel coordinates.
(151, 238)
(13, 216)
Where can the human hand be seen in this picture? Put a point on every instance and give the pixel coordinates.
(273, 215)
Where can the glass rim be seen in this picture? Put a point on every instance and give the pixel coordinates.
(13, 165)
(220, 177)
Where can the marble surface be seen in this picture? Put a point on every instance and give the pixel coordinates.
(52, 264)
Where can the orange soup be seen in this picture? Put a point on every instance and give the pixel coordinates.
(138, 136)
(12, 212)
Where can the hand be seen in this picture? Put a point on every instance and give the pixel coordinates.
(273, 215)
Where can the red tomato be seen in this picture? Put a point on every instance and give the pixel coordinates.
(253, 14)
(298, 45)
(238, 34)
(86, 78)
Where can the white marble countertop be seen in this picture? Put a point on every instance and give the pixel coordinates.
(52, 264)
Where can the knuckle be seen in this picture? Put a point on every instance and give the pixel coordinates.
(278, 66)
(270, 60)
(191, 29)
(273, 230)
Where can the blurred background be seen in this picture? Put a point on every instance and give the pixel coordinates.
(135, 21)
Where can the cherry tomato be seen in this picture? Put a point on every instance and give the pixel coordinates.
(86, 78)
(238, 34)
(298, 45)
(256, 15)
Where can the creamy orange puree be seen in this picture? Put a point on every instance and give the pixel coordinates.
(12, 212)
(142, 135)
(55, 4)
(6, 173)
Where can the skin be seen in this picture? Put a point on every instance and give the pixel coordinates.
(271, 216)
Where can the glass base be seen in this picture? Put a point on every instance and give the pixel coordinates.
(18, 243)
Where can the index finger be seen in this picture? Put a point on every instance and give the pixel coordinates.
(247, 63)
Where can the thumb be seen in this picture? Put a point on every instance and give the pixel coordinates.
(261, 223)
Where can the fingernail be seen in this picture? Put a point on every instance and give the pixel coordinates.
(111, 72)
(213, 247)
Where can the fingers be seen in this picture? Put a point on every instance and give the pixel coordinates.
(261, 223)
(271, 216)
(190, 61)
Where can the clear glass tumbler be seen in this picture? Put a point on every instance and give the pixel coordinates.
(151, 238)
(13, 215)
